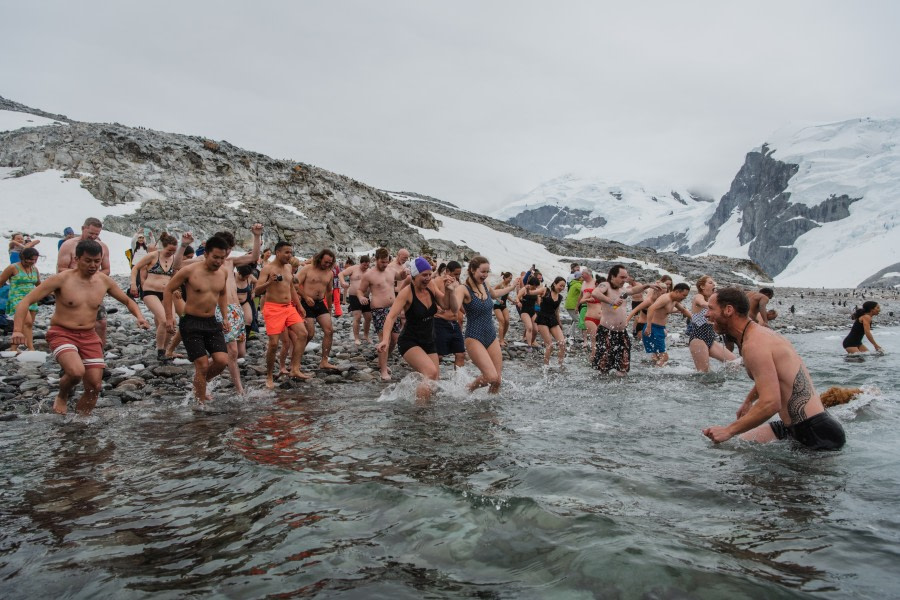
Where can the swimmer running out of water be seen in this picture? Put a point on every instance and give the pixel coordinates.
(862, 326)
(482, 344)
(416, 342)
(782, 383)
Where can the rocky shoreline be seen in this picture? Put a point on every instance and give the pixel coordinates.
(135, 375)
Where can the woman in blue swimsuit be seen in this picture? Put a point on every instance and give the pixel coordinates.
(702, 339)
(481, 341)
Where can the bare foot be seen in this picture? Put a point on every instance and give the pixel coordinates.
(386, 375)
(60, 406)
(357, 342)
(327, 365)
(270, 382)
(300, 375)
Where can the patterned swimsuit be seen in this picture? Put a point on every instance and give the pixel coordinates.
(479, 318)
(19, 285)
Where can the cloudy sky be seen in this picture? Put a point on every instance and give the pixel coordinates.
(473, 102)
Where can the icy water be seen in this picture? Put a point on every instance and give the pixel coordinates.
(565, 486)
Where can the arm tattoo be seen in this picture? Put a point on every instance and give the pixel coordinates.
(800, 395)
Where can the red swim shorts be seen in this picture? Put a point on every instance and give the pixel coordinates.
(85, 342)
(279, 317)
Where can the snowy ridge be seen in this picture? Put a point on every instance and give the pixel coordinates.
(633, 212)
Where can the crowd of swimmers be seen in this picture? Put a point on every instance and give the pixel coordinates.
(425, 311)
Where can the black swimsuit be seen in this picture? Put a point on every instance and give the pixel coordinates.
(854, 339)
(547, 315)
(419, 328)
(528, 301)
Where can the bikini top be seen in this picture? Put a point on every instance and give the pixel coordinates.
(157, 269)
(591, 299)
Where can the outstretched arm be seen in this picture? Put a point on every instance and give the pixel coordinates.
(116, 292)
(760, 363)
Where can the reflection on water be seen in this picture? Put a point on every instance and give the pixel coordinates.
(565, 485)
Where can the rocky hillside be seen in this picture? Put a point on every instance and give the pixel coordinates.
(178, 182)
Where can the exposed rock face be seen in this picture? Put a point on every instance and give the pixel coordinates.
(769, 221)
(555, 221)
(889, 277)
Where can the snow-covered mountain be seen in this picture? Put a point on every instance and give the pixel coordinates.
(816, 205)
(581, 207)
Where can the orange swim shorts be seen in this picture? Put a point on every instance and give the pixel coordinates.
(279, 317)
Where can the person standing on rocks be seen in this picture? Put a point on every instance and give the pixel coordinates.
(282, 311)
(380, 282)
(448, 335)
(66, 259)
(233, 313)
(201, 332)
(360, 312)
(781, 383)
(72, 336)
(482, 344)
(501, 311)
(315, 281)
(160, 267)
(416, 341)
(613, 344)
(23, 276)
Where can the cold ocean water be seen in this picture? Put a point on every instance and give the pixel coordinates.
(566, 485)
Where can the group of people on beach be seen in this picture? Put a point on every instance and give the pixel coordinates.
(424, 310)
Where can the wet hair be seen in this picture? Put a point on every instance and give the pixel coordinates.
(453, 266)
(614, 271)
(735, 297)
(281, 244)
(533, 281)
(28, 254)
(245, 270)
(505, 275)
(867, 307)
(681, 287)
(474, 265)
(382, 253)
(318, 258)
(228, 237)
(766, 291)
(217, 243)
(441, 268)
(557, 280)
(364, 259)
(188, 251)
(89, 247)
(264, 250)
(93, 222)
(702, 282)
(600, 280)
(349, 262)
(167, 240)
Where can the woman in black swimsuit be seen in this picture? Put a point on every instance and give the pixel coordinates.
(416, 342)
(525, 302)
(862, 326)
(160, 267)
(547, 320)
(500, 309)
(246, 281)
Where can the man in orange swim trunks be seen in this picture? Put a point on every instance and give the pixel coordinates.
(282, 310)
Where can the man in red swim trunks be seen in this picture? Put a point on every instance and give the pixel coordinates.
(72, 338)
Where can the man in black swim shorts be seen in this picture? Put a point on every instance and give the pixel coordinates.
(782, 383)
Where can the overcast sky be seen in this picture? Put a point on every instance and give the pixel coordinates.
(473, 102)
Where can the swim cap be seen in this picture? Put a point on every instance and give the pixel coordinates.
(68, 231)
(418, 266)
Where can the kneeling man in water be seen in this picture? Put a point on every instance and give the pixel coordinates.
(781, 383)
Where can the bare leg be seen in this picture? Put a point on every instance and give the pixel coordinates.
(233, 369)
(560, 343)
(201, 366)
(271, 350)
(489, 365)
(357, 315)
(28, 329)
(159, 319)
(73, 370)
(427, 365)
(298, 336)
(217, 364)
(367, 324)
(327, 337)
(700, 354)
(93, 381)
(548, 346)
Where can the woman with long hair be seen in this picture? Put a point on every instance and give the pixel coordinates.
(702, 338)
(23, 276)
(160, 267)
(500, 309)
(547, 320)
(862, 326)
(481, 341)
(526, 301)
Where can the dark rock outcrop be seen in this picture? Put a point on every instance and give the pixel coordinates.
(556, 221)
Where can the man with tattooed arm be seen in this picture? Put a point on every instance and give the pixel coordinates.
(781, 383)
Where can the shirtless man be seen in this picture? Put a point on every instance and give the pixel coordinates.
(759, 303)
(782, 383)
(380, 282)
(282, 311)
(448, 336)
(233, 312)
(359, 310)
(658, 317)
(315, 282)
(72, 335)
(398, 267)
(66, 259)
(613, 344)
(201, 333)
